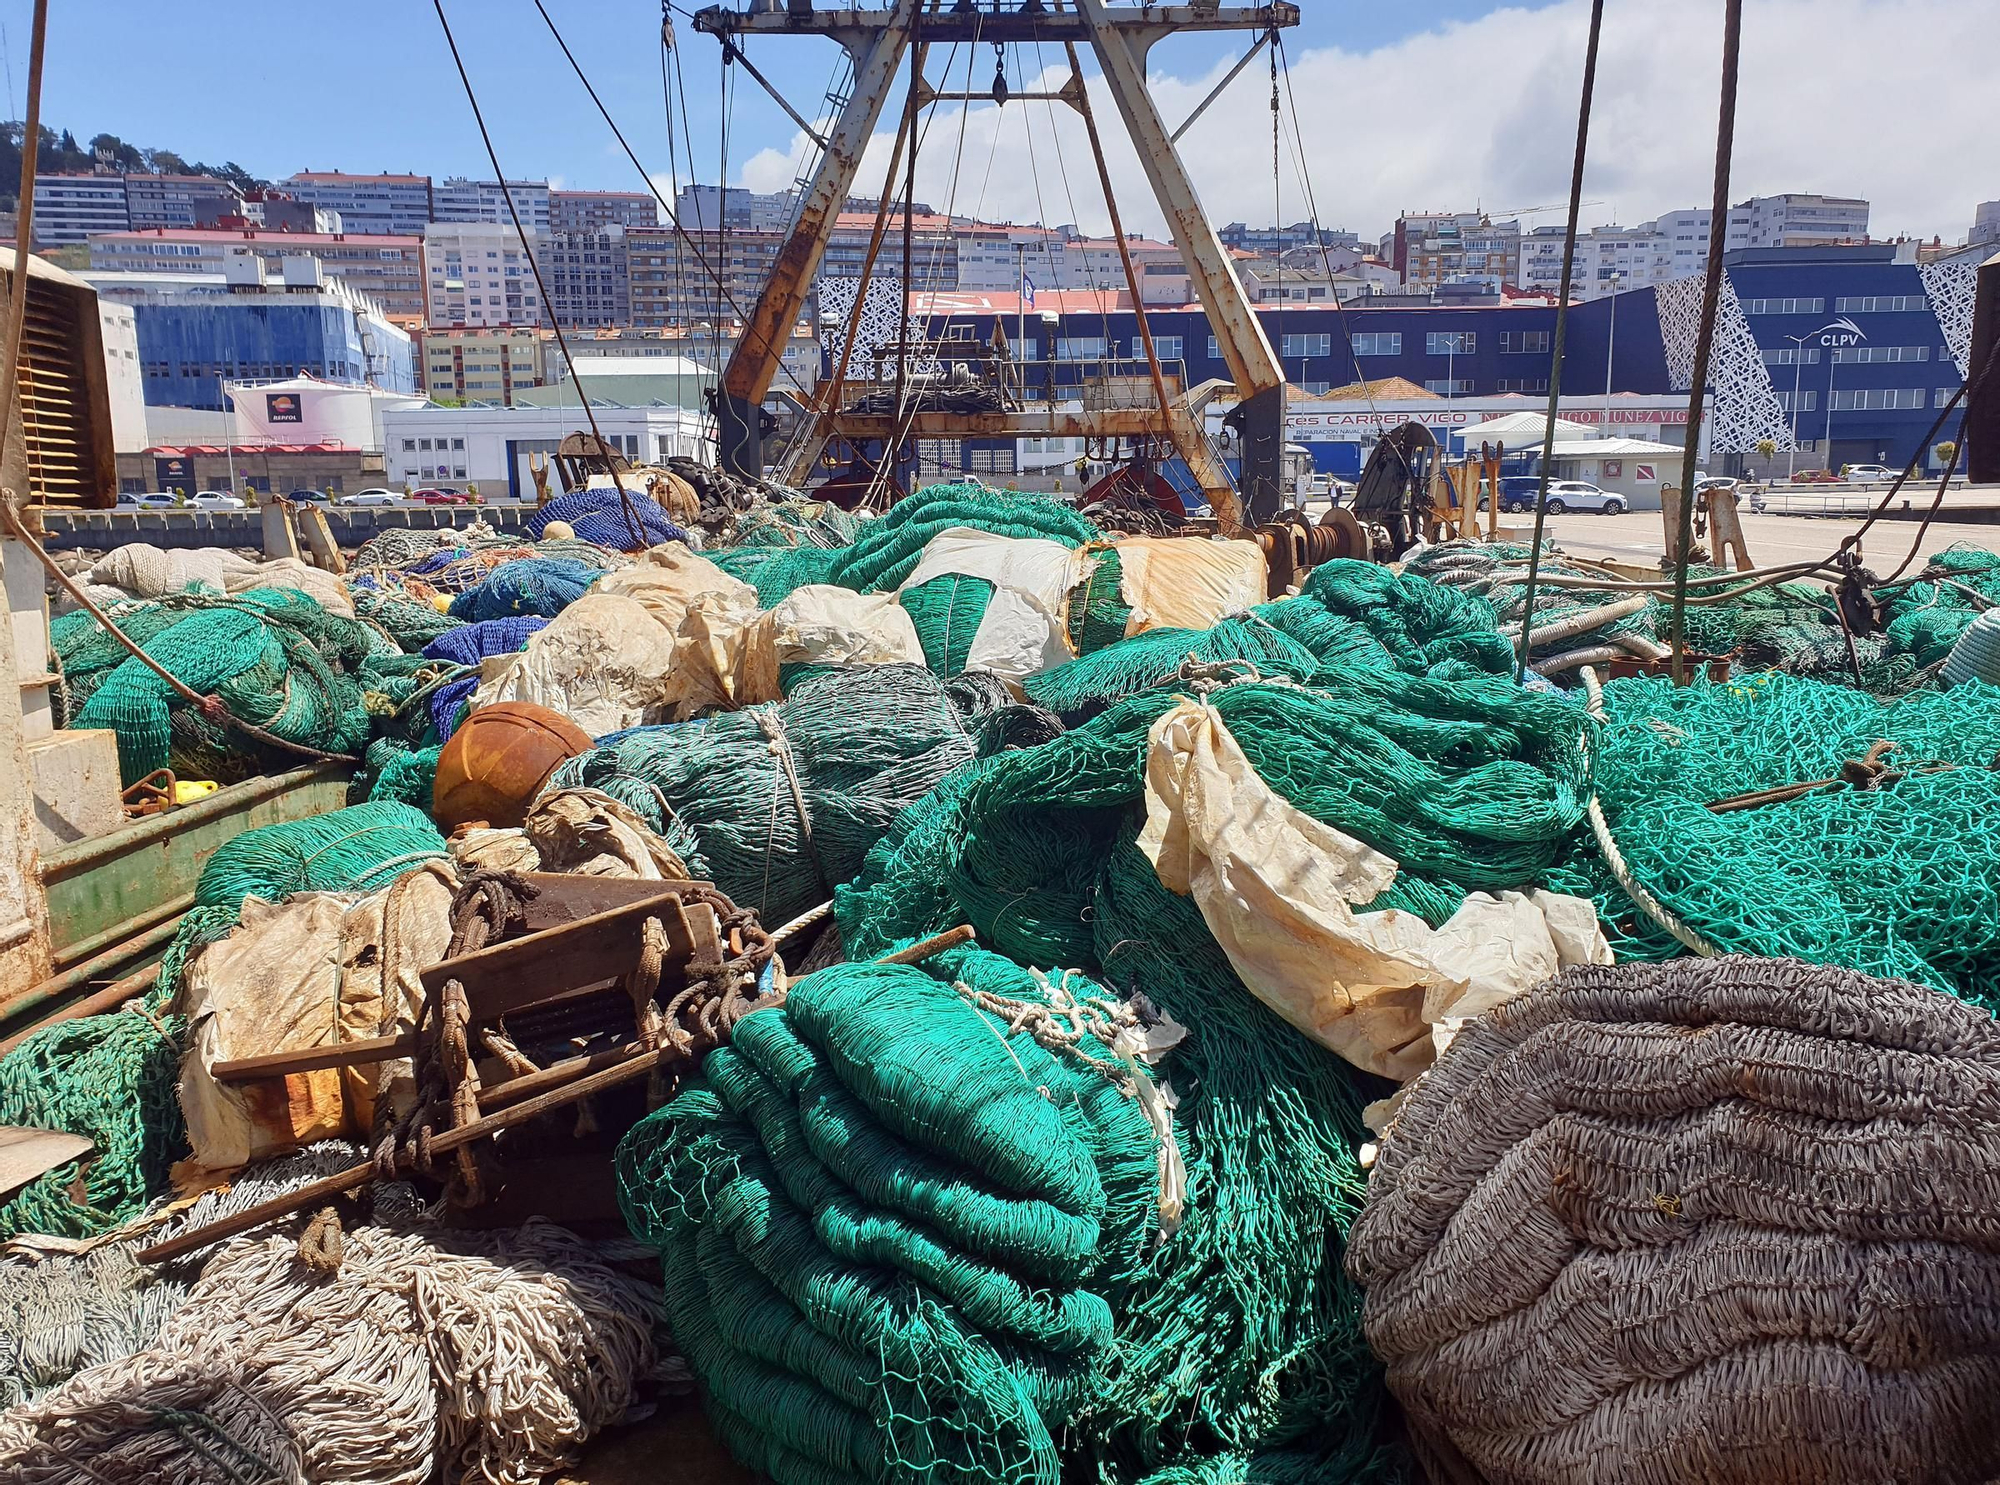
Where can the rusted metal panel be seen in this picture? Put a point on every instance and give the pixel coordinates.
(123, 876)
(971, 24)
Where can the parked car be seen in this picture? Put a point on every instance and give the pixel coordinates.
(215, 500)
(371, 497)
(1815, 477)
(442, 497)
(151, 500)
(1868, 474)
(319, 495)
(1564, 495)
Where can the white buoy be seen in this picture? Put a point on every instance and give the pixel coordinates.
(1976, 656)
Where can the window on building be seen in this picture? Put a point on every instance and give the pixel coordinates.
(1455, 387)
(1524, 342)
(1878, 399)
(1944, 395)
(1793, 356)
(1521, 384)
(1878, 304)
(1784, 306)
(1315, 389)
(1378, 343)
(1854, 355)
(424, 445)
(1808, 401)
(1214, 349)
(1080, 348)
(1451, 342)
(1166, 347)
(1305, 345)
(457, 445)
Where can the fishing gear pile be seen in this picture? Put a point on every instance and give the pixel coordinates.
(1607, 1237)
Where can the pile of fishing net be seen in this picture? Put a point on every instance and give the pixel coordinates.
(527, 585)
(139, 570)
(627, 522)
(1901, 879)
(394, 1351)
(1926, 616)
(1724, 1221)
(1236, 1352)
(408, 623)
(112, 1078)
(778, 803)
(895, 1216)
(886, 550)
(795, 523)
(274, 657)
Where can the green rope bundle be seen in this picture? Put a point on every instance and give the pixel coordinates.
(1901, 881)
(273, 656)
(894, 1227)
(404, 775)
(861, 746)
(1419, 622)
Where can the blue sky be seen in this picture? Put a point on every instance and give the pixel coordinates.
(1427, 104)
(368, 85)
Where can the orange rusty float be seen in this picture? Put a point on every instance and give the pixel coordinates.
(497, 762)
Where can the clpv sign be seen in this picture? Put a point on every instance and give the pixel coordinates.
(1840, 332)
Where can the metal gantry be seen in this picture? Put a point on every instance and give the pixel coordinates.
(877, 41)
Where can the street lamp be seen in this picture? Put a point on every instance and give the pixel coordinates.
(1798, 365)
(1610, 345)
(1829, 406)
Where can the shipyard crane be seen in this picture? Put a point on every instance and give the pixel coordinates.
(877, 41)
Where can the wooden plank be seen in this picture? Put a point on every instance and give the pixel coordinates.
(26, 1154)
(521, 971)
(309, 1059)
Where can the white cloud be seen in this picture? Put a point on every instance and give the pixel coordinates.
(1873, 98)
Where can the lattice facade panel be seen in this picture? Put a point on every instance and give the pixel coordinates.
(1742, 404)
(1949, 286)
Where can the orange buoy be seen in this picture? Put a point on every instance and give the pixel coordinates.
(497, 762)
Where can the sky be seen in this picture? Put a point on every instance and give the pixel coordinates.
(1423, 105)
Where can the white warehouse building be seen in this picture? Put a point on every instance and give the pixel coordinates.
(494, 447)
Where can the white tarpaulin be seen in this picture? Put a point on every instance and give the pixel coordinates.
(1174, 583)
(668, 579)
(1278, 889)
(318, 969)
(728, 653)
(601, 662)
(1021, 632)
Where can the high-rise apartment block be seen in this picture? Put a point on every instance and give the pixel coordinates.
(674, 278)
(588, 276)
(479, 273)
(591, 211)
(456, 199)
(399, 205)
(387, 269)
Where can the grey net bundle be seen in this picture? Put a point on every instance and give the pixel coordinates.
(1717, 1220)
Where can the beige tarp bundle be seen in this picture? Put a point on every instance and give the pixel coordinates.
(668, 579)
(1278, 889)
(602, 662)
(728, 653)
(319, 969)
(1021, 632)
(584, 832)
(141, 570)
(1173, 583)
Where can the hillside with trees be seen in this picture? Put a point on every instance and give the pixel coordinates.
(58, 152)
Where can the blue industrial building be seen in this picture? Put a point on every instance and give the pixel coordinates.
(188, 344)
(1872, 345)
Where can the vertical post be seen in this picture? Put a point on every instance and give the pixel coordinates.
(1979, 429)
(1798, 368)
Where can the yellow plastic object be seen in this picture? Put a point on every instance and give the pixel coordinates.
(441, 602)
(187, 791)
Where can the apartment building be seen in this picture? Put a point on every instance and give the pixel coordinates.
(481, 365)
(592, 211)
(710, 208)
(71, 208)
(180, 200)
(674, 280)
(588, 276)
(456, 199)
(393, 205)
(1432, 248)
(1272, 242)
(1985, 224)
(479, 273)
(387, 269)
(933, 248)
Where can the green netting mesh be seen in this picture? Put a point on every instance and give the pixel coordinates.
(946, 612)
(273, 656)
(1900, 881)
(114, 1078)
(859, 746)
(1098, 612)
(894, 1227)
(1237, 1352)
